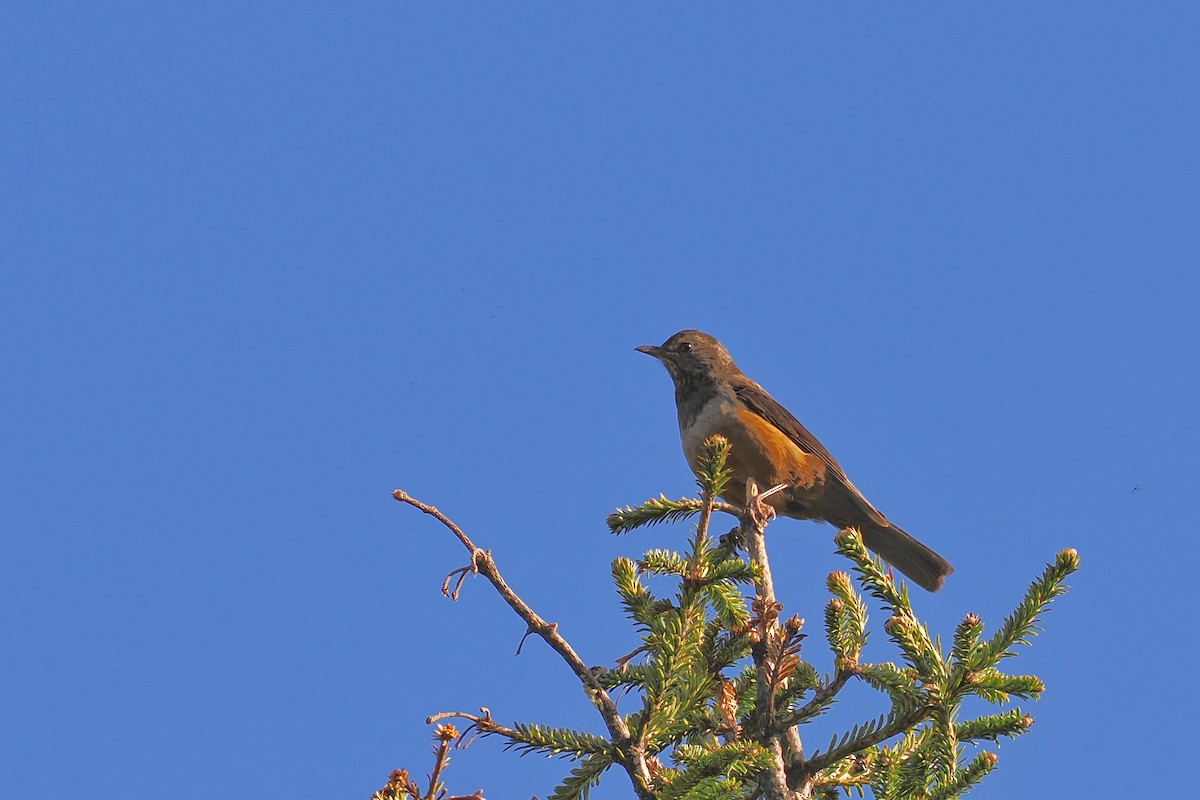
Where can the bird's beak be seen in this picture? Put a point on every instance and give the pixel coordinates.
(650, 350)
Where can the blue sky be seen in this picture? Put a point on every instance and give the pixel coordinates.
(262, 265)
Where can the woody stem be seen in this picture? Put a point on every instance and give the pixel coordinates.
(786, 749)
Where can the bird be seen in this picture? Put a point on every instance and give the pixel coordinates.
(768, 444)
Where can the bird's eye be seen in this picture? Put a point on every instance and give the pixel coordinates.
(685, 347)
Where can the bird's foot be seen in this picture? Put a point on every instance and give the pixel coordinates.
(756, 505)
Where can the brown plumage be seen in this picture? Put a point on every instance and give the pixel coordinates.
(770, 445)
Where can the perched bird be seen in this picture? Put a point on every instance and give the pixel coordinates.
(771, 446)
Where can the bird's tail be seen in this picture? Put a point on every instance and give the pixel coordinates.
(923, 566)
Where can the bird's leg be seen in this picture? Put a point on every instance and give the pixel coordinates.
(774, 490)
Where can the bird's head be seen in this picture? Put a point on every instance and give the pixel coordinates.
(692, 355)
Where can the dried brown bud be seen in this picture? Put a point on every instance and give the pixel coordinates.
(767, 610)
(972, 620)
(991, 759)
(1027, 721)
(727, 704)
(445, 733)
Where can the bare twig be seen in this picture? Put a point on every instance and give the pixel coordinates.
(482, 722)
(633, 756)
(622, 663)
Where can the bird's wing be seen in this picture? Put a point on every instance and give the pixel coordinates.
(757, 400)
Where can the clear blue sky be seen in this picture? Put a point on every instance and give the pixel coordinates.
(261, 265)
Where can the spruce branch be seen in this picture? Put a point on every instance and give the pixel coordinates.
(900, 685)
(664, 562)
(626, 675)
(730, 570)
(871, 572)
(737, 760)
(658, 510)
(578, 784)
(941, 746)
(966, 778)
(996, 687)
(533, 738)
(1019, 626)
(905, 630)
(965, 644)
(727, 603)
(869, 734)
(712, 468)
(1009, 724)
(847, 776)
(639, 603)
(845, 621)
(675, 645)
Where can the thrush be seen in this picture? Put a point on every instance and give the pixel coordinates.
(770, 445)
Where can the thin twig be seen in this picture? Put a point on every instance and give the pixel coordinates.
(707, 504)
(441, 758)
(823, 695)
(633, 756)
